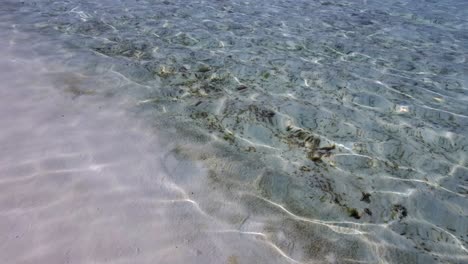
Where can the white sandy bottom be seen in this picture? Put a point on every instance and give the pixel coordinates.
(82, 182)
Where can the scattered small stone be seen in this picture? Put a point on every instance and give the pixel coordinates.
(314, 156)
(198, 115)
(304, 168)
(204, 68)
(368, 211)
(241, 88)
(251, 149)
(228, 137)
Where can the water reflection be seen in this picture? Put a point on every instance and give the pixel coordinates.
(328, 131)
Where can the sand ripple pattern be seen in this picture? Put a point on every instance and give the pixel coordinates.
(333, 131)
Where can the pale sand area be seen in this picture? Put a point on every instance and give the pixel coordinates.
(82, 181)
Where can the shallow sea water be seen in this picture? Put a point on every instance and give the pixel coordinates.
(234, 131)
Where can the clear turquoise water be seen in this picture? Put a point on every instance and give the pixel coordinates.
(330, 131)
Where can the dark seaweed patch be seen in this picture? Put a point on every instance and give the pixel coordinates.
(365, 197)
(399, 211)
(353, 212)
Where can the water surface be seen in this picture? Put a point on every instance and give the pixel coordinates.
(234, 131)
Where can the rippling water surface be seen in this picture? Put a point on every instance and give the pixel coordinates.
(234, 131)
